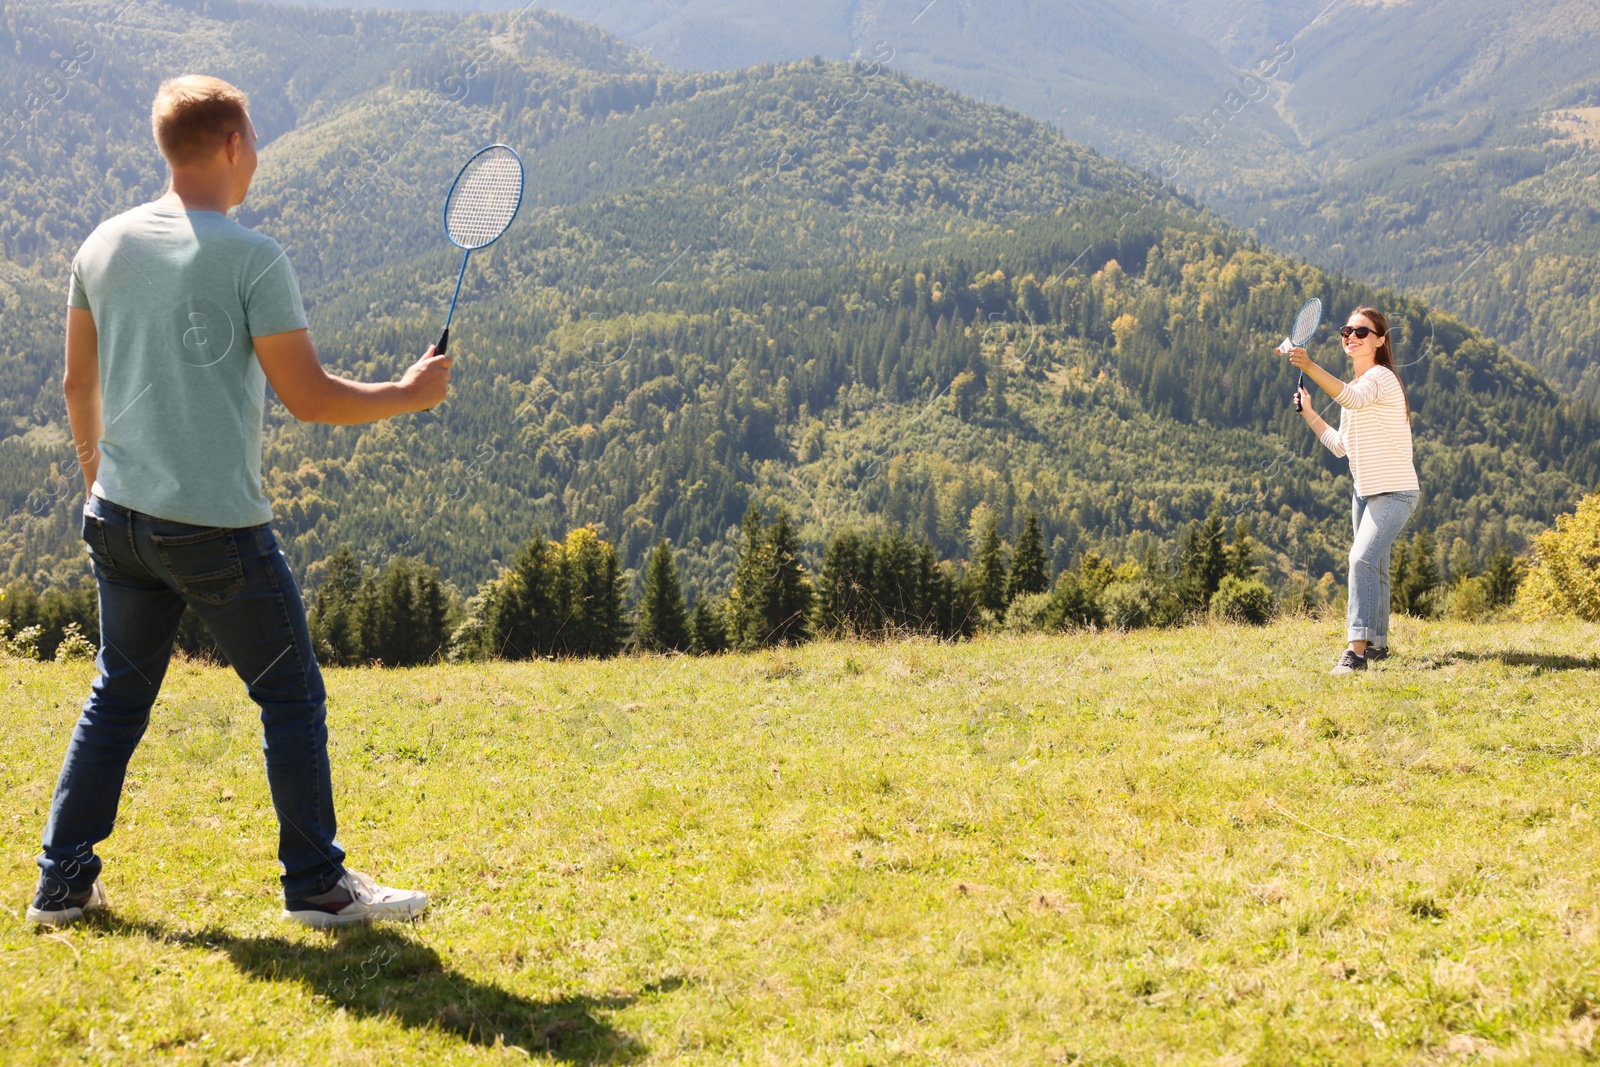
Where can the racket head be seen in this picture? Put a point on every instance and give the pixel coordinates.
(484, 198)
(1306, 323)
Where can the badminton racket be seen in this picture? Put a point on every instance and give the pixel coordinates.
(480, 205)
(1305, 325)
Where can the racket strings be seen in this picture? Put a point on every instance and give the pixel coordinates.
(1305, 323)
(484, 200)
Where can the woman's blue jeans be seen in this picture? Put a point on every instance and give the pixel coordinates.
(148, 570)
(1377, 521)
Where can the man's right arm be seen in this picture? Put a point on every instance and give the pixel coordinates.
(81, 384)
(311, 394)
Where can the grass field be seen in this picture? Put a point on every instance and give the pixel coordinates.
(1184, 846)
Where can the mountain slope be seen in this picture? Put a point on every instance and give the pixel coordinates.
(733, 287)
(1276, 114)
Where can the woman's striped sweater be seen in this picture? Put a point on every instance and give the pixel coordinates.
(1375, 433)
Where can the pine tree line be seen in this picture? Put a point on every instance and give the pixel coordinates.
(567, 598)
(558, 598)
(398, 617)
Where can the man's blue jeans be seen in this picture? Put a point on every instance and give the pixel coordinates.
(1377, 521)
(238, 582)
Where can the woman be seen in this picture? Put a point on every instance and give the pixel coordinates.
(1375, 432)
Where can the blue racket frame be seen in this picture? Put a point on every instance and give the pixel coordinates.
(444, 217)
(1300, 382)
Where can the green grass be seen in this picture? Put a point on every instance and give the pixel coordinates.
(1186, 846)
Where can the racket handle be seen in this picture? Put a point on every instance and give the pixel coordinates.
(1298, 385)
(440, 348)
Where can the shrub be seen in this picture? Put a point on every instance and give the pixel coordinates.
(1469, 600)
(1246, 600)
(36, 622)
(1131, 603)
(1564, 581)
(1029, 613)
(23, 645)
(1074, 603)
(74, 646)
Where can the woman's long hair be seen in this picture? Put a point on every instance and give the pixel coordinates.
(1386, 349)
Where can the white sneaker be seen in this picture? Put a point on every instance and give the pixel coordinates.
(61, 912)
(356, 898)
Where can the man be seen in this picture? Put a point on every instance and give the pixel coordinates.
(177, 317)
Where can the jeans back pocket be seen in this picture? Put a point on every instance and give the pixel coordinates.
(205, 564)
(94, 536)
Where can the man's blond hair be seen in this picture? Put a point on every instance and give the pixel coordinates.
(193, 116)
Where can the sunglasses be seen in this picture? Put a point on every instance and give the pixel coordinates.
(1361, 332)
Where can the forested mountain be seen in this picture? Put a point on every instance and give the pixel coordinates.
(827, 286)
(1496, 220)
(1455, 151)
(1442, 146)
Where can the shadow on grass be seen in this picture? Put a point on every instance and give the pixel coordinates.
(379, 971)
(1537, 660)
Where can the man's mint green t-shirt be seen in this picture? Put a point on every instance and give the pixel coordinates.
(176, 298)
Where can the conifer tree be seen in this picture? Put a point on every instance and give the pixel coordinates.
(394, 616)
(663, 619)
(988, 574)
(1399, 573)
(593, 620)
(1029, 571)
(1503, 575)
(708, 630)
(1418, 576)
(334, 623)
(846, 584)
(949, 609)
(1241, 559)
(898, 599)
(521, 615)
(433, 615)
(772, 598)
(1202, 561)
(792, 597)
(752, 584)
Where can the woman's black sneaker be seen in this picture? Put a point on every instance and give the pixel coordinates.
(1377, 652)
(1349, 663)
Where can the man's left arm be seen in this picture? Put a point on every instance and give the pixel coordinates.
(81, 383)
